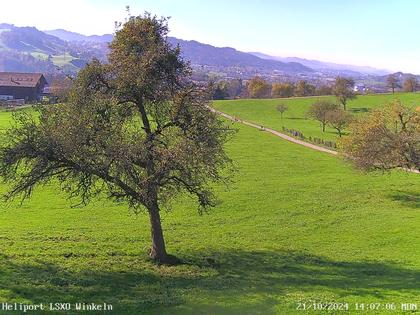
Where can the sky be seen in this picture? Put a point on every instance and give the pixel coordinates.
(379, 33)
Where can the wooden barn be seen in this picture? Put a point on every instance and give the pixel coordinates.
(22, 86)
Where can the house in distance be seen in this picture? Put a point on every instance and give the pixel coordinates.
(26, 87)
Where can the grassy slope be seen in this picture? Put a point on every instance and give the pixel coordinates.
(264, 111)
(40, 55)
(298, 225)
(62, 61)
(5, 118)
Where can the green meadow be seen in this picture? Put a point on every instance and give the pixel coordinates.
(63, 61)
(264, 111)
(59, 60)
(296, 226)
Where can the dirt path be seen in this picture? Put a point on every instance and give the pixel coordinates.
(286, 137)
(276, 133)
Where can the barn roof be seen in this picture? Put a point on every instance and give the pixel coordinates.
(17, 79)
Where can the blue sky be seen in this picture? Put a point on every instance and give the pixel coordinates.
(383, 34)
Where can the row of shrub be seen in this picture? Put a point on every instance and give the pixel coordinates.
(325, 143)
(298, 134)
(294, 133)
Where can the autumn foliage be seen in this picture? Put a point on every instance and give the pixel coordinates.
(386, 138)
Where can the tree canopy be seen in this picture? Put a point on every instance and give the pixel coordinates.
(258, 88)
(282, 90)
(339, 119)
(392, 82)
(320, 110)
(386, 138)
(303, 88)
(410, 84)
(343, 90)
(282, 108)
(136, 130)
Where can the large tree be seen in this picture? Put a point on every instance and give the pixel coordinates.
(235, 88)
(343, 90)
(386, 138)
(339, 119)
(320, 111)
(303, 88)
(282, 90)
(219, 90)
(258, 88)
(392, 82)
(135, 130)
(410, 84)
(324, 90)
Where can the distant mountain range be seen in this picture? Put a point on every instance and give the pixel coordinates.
(28, 39)
(207, 55)
(201, 54)
(29, 49)
(26, 49)
(70, 51)
(325, 66)
(72, 36)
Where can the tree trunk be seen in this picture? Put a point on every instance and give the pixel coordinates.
(157, 250)
(323, 127)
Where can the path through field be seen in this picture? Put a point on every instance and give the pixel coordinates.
(276, 133)
(284, 136)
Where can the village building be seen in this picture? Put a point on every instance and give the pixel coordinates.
(27, 87)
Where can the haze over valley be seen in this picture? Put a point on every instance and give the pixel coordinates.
(27, 49)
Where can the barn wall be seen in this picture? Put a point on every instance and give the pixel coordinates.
(26, 93)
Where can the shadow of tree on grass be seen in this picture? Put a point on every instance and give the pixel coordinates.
(230, 282)
(359, 110)
(407, 198)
